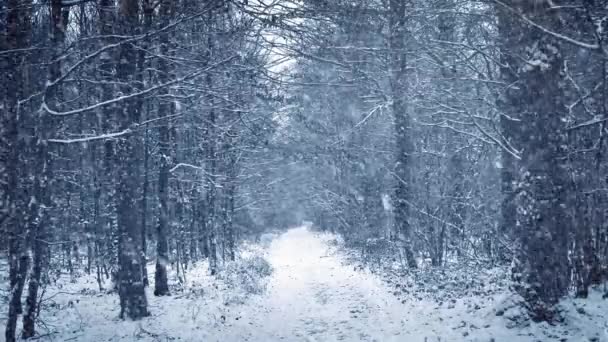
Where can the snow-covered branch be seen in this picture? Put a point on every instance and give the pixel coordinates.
(92, 138)
(585, 45)
(49, 110)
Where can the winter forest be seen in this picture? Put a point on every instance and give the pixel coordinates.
(304, 170)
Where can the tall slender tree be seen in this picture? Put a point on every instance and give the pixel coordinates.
(166, 154)
(131, 287)
(397, 19)
(17, 37)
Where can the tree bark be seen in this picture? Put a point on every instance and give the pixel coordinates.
(509, 125)
(17, 36)
(131, 287)
(403, 137)
(107, 118)
(541, 270)
(165, 150)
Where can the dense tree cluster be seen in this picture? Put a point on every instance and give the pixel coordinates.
(130, 131)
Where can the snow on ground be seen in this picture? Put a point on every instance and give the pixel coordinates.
(313, 294)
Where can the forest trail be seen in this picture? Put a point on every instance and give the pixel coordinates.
(314, 296)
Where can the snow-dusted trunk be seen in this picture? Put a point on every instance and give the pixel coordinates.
(211, 140)
(107, 122)
(35, 277)
(456, 158)
(509, 125)
(229, 158)
(16, 35)
(161, 287)
(592, 233)
(42, 173)
(404, 146)
(583, 253)
(144, 207)
(133, 300)
(165, 108)
(87, 177)
(541, 271)
(211, 196)
(142, 64)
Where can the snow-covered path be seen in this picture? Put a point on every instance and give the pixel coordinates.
(312, 296)
(315, 296)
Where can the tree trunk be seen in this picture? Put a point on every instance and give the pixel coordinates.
(129, 150)
(509, 126)
(165, 108)
(107, 117)
(404, 146)
(17, 35)
(141, 67)
(541, 270)
(31, 301)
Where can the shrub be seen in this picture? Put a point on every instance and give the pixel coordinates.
(247, 276)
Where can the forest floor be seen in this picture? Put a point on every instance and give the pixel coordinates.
(314, 293)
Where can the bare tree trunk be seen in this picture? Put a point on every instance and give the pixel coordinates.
(582, 253)
(211, 140)
(194, 232)
(541, 268)
(404, 146)
(229, 213)
(130, 277)
(165, 150)
(17, 35)
(38, 219)
(141, 62)
(31, 301)
(106, 198)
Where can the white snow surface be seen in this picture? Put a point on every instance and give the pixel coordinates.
(312, 295)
